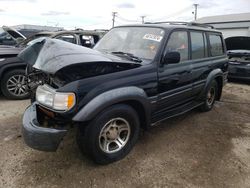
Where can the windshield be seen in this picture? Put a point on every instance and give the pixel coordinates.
(141, 42)
(5, 38)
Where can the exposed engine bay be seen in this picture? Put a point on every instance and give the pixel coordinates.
(239, 56)
(57, 63)
(74, 72)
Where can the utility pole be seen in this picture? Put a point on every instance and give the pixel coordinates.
(113, 19)
(142, 19)
(195, 11)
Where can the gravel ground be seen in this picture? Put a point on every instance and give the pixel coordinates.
(193, 150)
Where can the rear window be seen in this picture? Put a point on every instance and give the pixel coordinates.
(216, 47)
(67, 38)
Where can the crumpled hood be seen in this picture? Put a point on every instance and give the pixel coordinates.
(51, 55)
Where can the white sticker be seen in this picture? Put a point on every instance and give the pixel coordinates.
(153, 37)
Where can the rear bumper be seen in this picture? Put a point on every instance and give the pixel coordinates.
(40, 138)
(239, 72)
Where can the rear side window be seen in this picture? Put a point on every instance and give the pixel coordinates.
(178, 42)
(197, 43)
(216, 48)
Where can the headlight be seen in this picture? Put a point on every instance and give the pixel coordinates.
(47, 96)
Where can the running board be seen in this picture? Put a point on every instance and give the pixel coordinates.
(178, 111)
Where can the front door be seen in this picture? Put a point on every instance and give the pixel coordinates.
(175, 80)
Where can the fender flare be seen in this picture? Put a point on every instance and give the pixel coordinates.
(12, 65)
(114, 96)
(212, 75)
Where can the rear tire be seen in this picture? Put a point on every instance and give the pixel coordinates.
(13, 85)
(111, 135)
(210, 97)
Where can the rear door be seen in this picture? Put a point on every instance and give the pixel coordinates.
(214, 57)
(200, 59)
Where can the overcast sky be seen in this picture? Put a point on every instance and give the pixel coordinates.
(94, 14)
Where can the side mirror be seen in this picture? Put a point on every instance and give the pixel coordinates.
(171, 58)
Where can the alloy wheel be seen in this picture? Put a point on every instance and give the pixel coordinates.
(16, 85)
(114, 135)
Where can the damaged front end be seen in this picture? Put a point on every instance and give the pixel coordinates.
(37, 135)
(57, 63)
(54, 68)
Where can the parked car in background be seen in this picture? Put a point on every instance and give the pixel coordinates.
(239, 57)
(135, 77)
(10, 37)
(12, 69)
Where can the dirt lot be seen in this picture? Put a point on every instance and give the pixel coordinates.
(194, 150)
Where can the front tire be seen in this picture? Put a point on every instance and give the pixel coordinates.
(111, 135)
(13, 85)
(210, 97)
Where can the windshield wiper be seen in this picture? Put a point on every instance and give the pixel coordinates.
(128, 55)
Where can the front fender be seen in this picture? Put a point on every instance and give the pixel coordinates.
(114, 96)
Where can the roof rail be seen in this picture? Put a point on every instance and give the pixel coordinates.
(182, 23)
(168, 22)
(200, 25)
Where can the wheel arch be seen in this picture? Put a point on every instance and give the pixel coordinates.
(216, 75)
(11, 67)
(219, 80)
(132, 96)
(6, 71)
(141, 111)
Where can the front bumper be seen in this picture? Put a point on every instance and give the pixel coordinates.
(40, 138)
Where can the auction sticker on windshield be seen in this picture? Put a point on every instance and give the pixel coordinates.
(153, 37)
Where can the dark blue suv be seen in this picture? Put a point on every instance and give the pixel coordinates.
(135, 77)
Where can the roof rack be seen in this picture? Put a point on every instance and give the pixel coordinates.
(201, 25)
(183, 23)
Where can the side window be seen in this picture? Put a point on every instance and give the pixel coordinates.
(197, 44)
(216, 48)
(87, 41)
(178, 42)
(67, 38)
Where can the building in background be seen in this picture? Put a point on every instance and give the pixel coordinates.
(231, 25)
